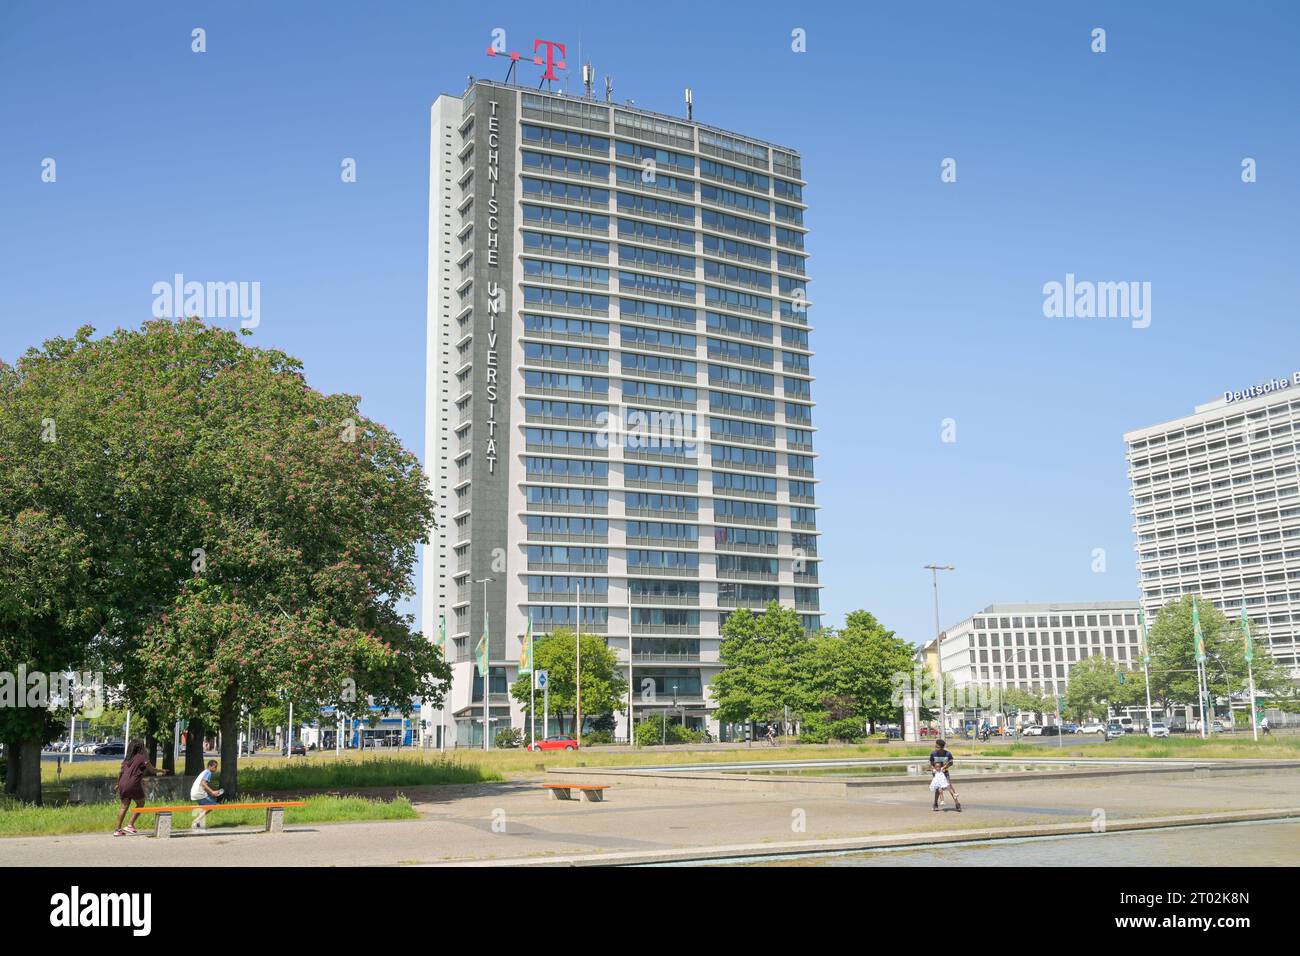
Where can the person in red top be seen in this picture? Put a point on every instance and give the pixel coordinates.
(130, 784)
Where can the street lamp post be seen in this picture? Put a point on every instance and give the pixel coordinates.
(487, 669)
(934, 570)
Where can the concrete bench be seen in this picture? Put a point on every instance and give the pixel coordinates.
(563, 791)
(274, 813)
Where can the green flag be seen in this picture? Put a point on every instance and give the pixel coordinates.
(526, 651)
(1146, 648)
(1198, 637)
(1250, 643)
(481, 651)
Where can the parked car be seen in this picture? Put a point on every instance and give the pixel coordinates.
(555, 742)
(1091, 727)
(1051, 730)
(1069, 728)
(893, 733)
(929, 732)
(1158, 729)
(1114, 730)
(111, 748)
(1031, 730)
(297, 750)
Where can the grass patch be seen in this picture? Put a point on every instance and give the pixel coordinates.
(333, 774)
(27, 820)
(402, 769)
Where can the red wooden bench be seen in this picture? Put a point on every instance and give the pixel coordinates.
(594, 792)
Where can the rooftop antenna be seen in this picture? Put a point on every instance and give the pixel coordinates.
(690, 102)
(609, 88)
(588, 78)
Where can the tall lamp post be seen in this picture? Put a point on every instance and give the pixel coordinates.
(934, 570)
(487, 669)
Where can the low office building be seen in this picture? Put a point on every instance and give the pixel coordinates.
(1031, 647)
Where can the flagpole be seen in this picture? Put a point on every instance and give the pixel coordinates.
(1254, 726)
(1250, 673)
(486, 671)
(532, 685)
(577, 731)
(1146, 663)
(442, 711)
(1198, 646)
(631, 738)
(1200, 697)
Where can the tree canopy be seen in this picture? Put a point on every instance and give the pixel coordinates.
(604, 685)
(247, 537)
(837, 678)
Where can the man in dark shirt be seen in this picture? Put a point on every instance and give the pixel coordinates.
(941, 760)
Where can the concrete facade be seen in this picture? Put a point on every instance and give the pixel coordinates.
(1216, 511)
(619, 412)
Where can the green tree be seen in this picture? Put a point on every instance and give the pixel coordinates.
(766, 666)
(1097, 684)
(250, 536)
(604, 688)
(1025, 701)
(859, 663)
(46, 626)
(1173, 657)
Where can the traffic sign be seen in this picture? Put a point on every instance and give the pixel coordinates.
(543, 678)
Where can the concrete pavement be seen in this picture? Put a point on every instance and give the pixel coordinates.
(518, 821)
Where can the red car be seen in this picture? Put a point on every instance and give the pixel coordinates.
(555, 742)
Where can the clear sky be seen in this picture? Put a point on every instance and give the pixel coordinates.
(928, 296)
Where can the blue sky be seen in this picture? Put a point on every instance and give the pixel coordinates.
(1119, 166)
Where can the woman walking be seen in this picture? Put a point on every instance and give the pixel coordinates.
(130, 784)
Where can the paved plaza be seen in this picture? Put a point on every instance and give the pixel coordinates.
(516, 821)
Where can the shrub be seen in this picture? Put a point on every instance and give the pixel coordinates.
(655, 731)
(597, 737)
(849, 730)
(814, 729)
(509, 738)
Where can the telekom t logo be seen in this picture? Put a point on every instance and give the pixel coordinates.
(550, 62)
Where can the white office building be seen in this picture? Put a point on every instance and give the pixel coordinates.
(595, 271)
(1216, 510)
(1031, 647)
